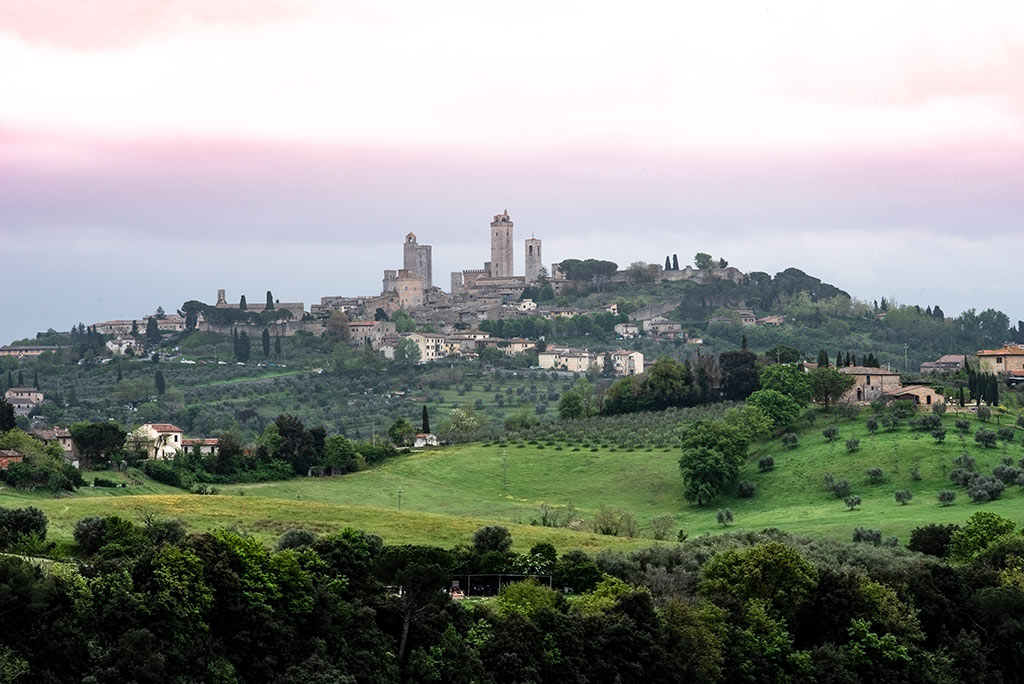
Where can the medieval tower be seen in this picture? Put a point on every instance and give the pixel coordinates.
(534, 263)
(502, 255)
(417, 260)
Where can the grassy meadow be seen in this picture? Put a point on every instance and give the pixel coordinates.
(447, 493)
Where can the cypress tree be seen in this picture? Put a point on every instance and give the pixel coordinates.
(10, 379)
(839, 359)
(21, 379)
(847, 358)
(961, 397)
(244, 347)
(266, 343)
(270, 301)
(119, 370)
(277, 347)
(242, 305)
(675, 262)
(234, 343)
(668, 265)
(743, 342)
(36, 383)
(426, 421)
(822, 358)
(161, 385)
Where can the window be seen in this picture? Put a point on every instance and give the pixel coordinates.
(869, 379)
(999, 359)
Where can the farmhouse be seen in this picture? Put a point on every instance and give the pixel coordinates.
(1009, 359)
(23, 399)
(164, 440)
(870, 383)
(22, 351)
(207, 446)
(919, 394)
(947, 363)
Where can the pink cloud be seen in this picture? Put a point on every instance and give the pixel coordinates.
(111, 24)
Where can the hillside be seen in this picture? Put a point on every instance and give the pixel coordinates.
(447, 493)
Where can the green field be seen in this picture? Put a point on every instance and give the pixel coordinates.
(448, 493)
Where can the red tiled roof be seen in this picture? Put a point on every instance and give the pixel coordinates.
(165, 427)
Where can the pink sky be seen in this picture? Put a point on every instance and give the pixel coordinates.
(771, 133)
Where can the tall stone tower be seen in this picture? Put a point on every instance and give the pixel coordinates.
(534, 264)
(502, 253)
(417, 259)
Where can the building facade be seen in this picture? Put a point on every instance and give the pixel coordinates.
(417, 260)
(502, 263)
(534, 263)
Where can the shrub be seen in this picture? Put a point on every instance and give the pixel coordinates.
(1006, 474)
(852, 445)
(789, 440)
(946, 497)
(492, 538)
(661, 525)
(295, 538)
(830, 433)
(746, 489)
(984, 413)
(872, 424)
(852, 502)
(939, 435)
(724, 516)
(810, 416)
(163, 530)
(963, 426)
(868, 536)
(765, 463)
(985, 437)
(103, 482)
(903, 496)
(984, 488)
(90, 534)
(16, 523)
(875, 475)
(839, 488)
(939, 409)
(1005, 434)
(915, 474)
(932, 539)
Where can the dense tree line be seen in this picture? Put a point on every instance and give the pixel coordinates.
(600, 326)
(152, 603)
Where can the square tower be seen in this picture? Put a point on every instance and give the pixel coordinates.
(534, 263)
(502, 252)
(416, 259)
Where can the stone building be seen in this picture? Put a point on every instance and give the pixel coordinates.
(417, 260)
(534, 262)
(870, 383)
(502, 251)
(1008, 359)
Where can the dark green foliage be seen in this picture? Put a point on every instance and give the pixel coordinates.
(839, 488)
(766, 463)
(903, 496)
(932, 539)
(852, 445)
(153, 334)
(789, 440)
(97, 441)
(161, 384)
(985, 437)
(270, 301)
(739, 374)
(7, 418)
(852, 502)
(425, 421)
(830, 433)
(492, 538)
(295, 539)
(746, 489)
(867, 536)
(875, 475)
(18, 523)
(265, 339)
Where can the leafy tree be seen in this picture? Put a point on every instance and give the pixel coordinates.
(986, 438)
(979, 532)
(97, 441)
(161, 385)
(295, 538)
(946, 497)
(903, 496)
(492, 538)
(401, 432)
(766, 463)
(789, 379)
(407, 353)
(852, 445)
(771, 572)
(780, 408)
(932, 539)
(336, 329)
(830, 433)
(702, 260)
(852, 502)
(828, 385)
(707, 474)
(422, 573)
(739, 374)
(724, 516)
(875, 475)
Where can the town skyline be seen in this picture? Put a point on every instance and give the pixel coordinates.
(148, 157)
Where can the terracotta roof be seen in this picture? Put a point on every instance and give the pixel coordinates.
(951, 358)
(866, 370)
(910, 389)
(164, 427)
(1005, 351)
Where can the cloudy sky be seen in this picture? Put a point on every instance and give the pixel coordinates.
(154, 151)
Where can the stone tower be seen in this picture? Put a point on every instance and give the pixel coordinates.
(416, 258)
(534, 263)
(502, 253)
(222, 302)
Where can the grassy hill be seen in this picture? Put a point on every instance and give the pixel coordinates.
(448, 493)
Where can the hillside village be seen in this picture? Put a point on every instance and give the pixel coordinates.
(493, 318)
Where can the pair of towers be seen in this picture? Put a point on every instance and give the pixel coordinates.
(502, 264)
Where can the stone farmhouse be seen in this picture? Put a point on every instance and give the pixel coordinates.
(207, 445)
(877, 383)
(61, 436)
(25, 351)
(948, 363)
(23, 399)
(575, 360)
(1008, 359)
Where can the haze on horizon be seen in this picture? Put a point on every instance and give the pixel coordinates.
(154, 151)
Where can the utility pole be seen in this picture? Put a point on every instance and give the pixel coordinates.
(504, 469)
